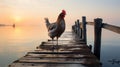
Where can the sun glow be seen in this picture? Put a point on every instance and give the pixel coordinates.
(17, 18)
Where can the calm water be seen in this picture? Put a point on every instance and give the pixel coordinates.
(16, 42)
(110, 46)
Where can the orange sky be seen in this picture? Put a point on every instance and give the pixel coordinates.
(33, 12)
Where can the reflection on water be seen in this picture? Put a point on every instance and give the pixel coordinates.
(15, 42)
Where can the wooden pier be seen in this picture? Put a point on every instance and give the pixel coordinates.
(72, 49)
(69, 53)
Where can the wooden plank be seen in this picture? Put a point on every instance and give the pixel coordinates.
(90, 23)
(52, 65)
(111, 27)
(64, 52)
(66, 44)
(62, 42)
(59, 61)
(64, 47)
(63, 57)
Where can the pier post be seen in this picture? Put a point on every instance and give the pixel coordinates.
(97, 36)
(78, 29)
(77, 24)
(80, 32)
(75, 27)
(84, 36)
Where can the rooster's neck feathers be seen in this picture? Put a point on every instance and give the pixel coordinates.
(60, 17)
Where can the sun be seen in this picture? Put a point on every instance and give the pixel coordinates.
(17, 18)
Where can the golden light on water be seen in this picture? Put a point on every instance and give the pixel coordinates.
(18, 31)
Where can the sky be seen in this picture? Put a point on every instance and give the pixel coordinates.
(33, 12)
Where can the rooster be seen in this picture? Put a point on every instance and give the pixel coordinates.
(57, 28)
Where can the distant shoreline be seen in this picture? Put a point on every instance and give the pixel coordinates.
(6, 25)
(2, 25)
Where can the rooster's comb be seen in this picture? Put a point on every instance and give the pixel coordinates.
(64, 12)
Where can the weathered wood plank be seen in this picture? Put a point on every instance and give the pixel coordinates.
(63, 42)
(60, 61)
(90, 23)
(60, 56)
(52, 65)
(111, 28)
(66, 46)
(63, 47)
(64, 52)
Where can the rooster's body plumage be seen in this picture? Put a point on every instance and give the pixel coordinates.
(57, 28)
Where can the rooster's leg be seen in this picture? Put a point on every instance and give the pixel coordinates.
(57, 41)
(52, 45)
(57, 47)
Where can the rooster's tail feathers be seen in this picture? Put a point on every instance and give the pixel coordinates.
(47, 22)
